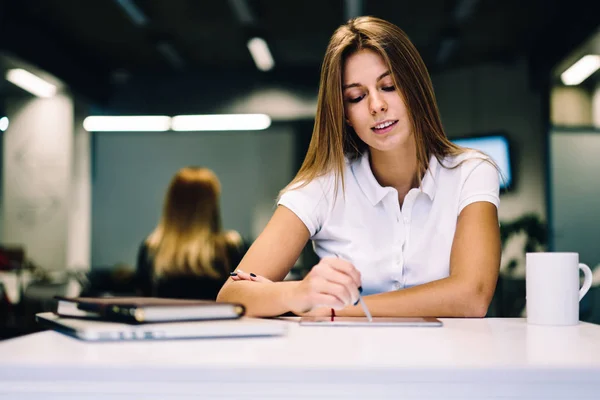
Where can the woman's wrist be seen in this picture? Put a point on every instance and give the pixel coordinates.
(288, 296)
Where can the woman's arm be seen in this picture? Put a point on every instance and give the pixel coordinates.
(468, 291)
(331, 283)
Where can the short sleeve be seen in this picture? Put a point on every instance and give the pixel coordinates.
(481, 183)
(310, 203)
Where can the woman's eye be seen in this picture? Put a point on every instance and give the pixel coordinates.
(388, 88)
(355, 99)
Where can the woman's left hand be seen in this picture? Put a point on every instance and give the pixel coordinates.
(244, 276)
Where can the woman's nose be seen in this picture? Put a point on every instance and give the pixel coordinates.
(377, 105)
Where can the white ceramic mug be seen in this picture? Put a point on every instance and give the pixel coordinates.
(552, 288)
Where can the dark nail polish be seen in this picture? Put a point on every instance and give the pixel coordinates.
(252, 275)
(356, 302)
(233, 273)
(360, 289)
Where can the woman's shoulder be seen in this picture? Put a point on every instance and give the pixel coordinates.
(323, 180)
(467, 159)
(471, 164)
(319, 188)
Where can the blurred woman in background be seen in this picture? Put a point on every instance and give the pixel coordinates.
(188, 255)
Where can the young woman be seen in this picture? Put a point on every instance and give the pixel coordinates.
(394, 209)
(188, 255)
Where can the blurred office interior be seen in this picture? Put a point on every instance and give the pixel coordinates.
(76, 199)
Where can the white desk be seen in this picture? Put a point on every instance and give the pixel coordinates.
(466, 359)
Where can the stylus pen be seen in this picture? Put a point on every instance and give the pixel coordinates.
(365, 309)
(362, 303)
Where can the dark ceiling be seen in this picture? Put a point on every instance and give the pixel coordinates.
(91, 44)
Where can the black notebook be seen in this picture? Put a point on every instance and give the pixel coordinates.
(146, 309)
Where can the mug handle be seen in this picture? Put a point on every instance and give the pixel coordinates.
(587, 280)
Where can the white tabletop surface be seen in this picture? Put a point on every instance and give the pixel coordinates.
(466, 358)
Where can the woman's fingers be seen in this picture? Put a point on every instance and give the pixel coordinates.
(331, 283)
(344, 281)
(341, 272)
(316, 287)
(344, 267)
(259, 278)
(240, 275)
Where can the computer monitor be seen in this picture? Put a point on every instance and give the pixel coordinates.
(497, 148)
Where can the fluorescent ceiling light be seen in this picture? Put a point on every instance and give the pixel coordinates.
(581, 70)
(172, 56)
(30, 82)
(260, 54)
(3, 124)
(223, 122)
(133, 12)
(464, 9)
(242, 11)
(154, 123)
(447, 46)
(353, 8)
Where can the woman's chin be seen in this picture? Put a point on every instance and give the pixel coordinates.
(386, 144)
(392, 141)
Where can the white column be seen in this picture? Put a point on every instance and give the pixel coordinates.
(38, 159)
(570, 106)
(596, 107)
(80, 212)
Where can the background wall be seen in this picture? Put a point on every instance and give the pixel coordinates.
(131, 172)
(494, 98)
(37, 159)
(574, 165)
(575, 210)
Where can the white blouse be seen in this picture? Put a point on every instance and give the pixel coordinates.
(393, 247)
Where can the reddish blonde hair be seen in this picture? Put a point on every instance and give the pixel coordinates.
(188, 238)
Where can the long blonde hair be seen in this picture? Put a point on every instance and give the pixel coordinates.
(332, 139)
(188, 238)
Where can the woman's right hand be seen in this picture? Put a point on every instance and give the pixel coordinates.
(332, 283)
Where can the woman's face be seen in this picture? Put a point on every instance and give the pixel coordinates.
(373, 106)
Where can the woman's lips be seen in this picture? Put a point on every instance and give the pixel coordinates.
(386, 129)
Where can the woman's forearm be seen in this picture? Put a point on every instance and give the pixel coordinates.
(264, 299)
(449, 297)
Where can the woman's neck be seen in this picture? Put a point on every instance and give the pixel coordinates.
(397, 169)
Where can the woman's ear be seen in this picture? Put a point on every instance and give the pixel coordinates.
(348, 122)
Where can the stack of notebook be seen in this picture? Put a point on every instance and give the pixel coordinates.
(139, 318)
